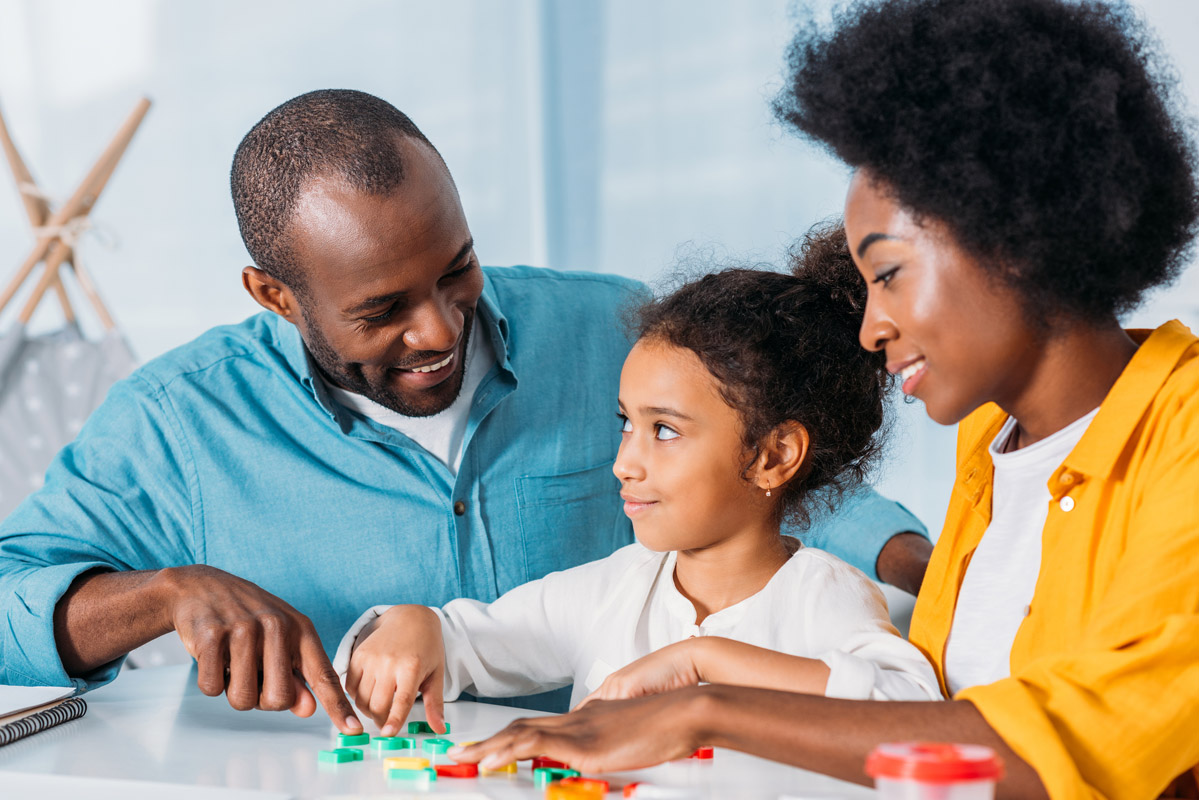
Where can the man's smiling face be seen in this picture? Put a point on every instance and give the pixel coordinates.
(391, 286)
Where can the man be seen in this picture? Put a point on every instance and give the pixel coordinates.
(401, 426)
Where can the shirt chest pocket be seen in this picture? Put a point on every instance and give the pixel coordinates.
(569, 519)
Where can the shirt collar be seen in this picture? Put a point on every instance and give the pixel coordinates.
(1106, 437)
(1121, 411)
(488, 317)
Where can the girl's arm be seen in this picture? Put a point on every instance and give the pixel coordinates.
(818, 733)
(827, 611)
(713, 659)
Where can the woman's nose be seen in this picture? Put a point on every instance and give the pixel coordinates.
(877, 328)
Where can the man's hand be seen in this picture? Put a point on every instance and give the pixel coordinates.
(400, 654)
(252, 646)
(903, 560)
(671, 667)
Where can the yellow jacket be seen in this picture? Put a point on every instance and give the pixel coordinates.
(1103, 698)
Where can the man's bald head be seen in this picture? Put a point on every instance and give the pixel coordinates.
(338, 133)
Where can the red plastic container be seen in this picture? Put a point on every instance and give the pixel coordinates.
(934, 771)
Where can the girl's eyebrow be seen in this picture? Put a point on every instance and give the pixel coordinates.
(665, 412)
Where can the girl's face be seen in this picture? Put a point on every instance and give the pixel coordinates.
(955, 335)
(681, 456)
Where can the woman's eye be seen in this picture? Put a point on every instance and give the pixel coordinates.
(625, 425)
(885, 276)
(665, 434)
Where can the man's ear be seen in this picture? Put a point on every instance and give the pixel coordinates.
(782, 455)
(270, 294)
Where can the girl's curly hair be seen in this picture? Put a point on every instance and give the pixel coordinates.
(785, 347)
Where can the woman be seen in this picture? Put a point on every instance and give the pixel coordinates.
(1021, 178)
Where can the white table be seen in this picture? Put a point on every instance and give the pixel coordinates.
(155, 725)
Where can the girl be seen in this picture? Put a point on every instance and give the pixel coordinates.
(744, 394)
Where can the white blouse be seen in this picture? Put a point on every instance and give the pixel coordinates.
(580, 625)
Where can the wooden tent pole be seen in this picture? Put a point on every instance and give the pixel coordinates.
(78, 205)
(37, 209)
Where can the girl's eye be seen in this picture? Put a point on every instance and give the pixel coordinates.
(665, 434)
(625, 425)
(885, 276)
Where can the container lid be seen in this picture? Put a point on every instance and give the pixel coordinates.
(934, 762)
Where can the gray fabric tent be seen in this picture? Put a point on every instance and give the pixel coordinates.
(49, 385)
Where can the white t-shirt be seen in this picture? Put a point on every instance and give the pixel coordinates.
(441, 434)
(999, 583)
(580, 625)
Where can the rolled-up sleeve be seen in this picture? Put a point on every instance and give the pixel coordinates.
(858, 527)
(117, 498)
(846, 616)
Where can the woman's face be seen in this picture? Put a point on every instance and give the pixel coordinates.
(681, 458)
(957, 337)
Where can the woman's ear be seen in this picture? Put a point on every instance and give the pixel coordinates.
(782, 455)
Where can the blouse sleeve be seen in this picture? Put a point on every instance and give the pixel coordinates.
(847, 619)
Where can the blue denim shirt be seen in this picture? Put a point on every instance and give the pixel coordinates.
(228, 452)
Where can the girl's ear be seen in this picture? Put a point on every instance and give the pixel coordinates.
(782, 455)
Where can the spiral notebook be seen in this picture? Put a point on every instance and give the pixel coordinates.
(27, 710)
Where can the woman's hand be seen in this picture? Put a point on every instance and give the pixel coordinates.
(397, 656)
(608, 736)
(672, 667)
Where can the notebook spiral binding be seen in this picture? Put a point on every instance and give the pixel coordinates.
(65, 711)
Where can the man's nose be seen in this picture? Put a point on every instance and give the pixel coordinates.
(435, 326)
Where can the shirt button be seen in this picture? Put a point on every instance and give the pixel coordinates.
(460, 508)
(1066, 503)
(1067, 478)
(1027, 610)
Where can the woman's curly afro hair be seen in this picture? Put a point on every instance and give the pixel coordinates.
(785, 347)
(1044, 133)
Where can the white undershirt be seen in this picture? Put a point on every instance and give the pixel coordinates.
(440, 434)
(997, 589)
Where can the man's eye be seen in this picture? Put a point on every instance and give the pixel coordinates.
(665, 434)
(386, 315)
(458, 273)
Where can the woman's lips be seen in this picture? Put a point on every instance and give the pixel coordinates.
(911, 375)
(909, 372)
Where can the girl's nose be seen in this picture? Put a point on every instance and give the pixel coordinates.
(627, 466)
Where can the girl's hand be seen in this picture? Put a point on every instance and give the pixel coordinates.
(672, 667)
(609, 736)
(400, 654)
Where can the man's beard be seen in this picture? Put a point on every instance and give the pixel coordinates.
(349, 375)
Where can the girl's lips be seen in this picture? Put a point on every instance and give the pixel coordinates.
(632, 506)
